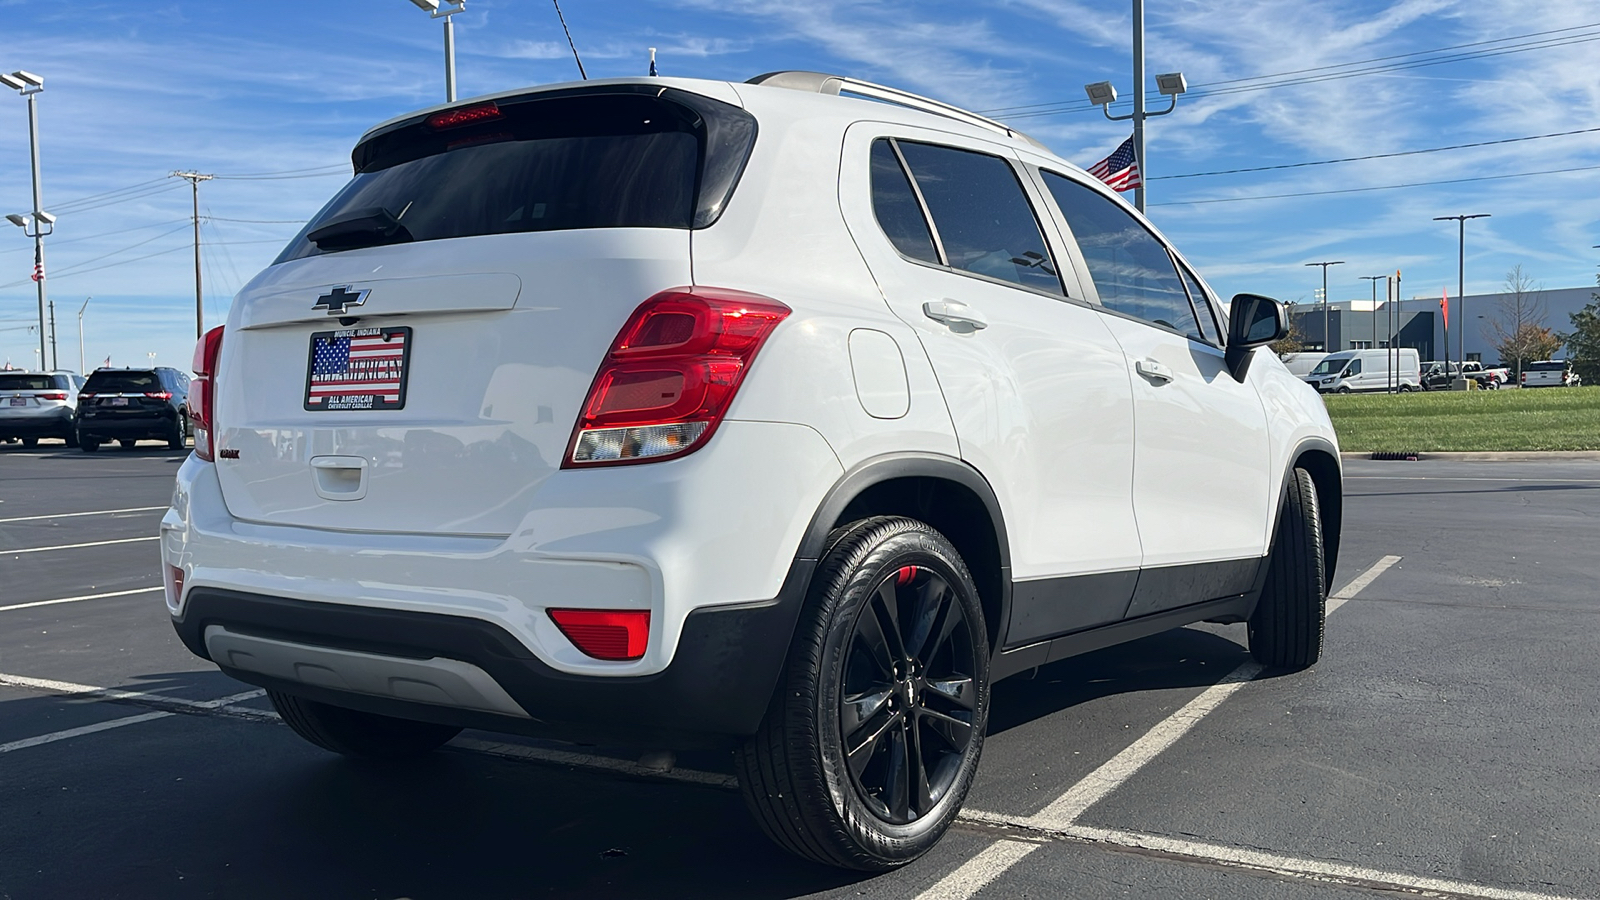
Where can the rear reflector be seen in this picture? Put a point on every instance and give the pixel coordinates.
(174, 585)
(671, 375)
(614, 634)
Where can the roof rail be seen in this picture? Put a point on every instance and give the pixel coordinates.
(823, 83)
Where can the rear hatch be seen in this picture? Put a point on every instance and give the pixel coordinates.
(416, 359)
(24, 394)
(122, 394)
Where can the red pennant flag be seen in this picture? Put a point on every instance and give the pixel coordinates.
(1444, 304)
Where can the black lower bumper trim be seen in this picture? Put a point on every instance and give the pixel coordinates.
(713, 693)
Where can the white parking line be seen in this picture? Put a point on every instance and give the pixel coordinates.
(86, 729)
(1063, 812)
(148, 590)
(77, 546)
(224, 704)
(1319, 870)
(97, 512)
(1471, 478)
(979, 871)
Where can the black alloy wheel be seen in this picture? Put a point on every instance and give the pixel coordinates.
(876, 726)
(907, 699)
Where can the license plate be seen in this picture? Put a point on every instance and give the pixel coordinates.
(19, 401)
(358, 368)
(119, 401)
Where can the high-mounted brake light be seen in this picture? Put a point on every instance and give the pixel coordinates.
(615, 634)
(466, 115)
(202, 392)
(670, 375)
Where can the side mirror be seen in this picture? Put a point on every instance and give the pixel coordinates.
(1253, 321)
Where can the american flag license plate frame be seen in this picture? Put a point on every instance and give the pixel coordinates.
(358, 369)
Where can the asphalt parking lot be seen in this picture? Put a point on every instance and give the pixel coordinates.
(1447, 745)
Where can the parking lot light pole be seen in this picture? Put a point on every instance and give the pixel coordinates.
(29, 85)
(80, 332)
(451, 7)
(1325, 265)
(1461, 281)
(1374, 279)
(1102, 94)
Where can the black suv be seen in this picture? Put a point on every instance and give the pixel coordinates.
(131, 405)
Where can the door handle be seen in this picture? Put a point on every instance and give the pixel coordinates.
(955, 314)
(1153, 370)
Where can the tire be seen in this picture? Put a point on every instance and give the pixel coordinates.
(71, 438)
(846, 681)
(30, 443)
(88, 445)
(126, 444)
(1287, 625)
(175, 440)
(1342, 389)
(359, 734)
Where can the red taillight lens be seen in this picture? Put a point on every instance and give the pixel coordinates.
(53, 396)
(453, 118)
(202, 392)
(616, 634)
(670, 375)
(159, 395)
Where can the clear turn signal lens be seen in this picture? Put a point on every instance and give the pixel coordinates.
(641, 442)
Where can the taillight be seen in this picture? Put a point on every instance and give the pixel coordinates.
(616, 634)
(670, 375)
(202, 393)
(82, 395)
(55, 396)
(158, 395)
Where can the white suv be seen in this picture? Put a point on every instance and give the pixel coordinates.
(684, 413)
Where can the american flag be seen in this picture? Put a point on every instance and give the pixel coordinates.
(38, 264)
(1120, 169)
(367, 363)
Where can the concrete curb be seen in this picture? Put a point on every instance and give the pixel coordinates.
(1487, 455)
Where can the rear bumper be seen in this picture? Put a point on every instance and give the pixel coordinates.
(43, 423)
(714, 692)
(147, 425)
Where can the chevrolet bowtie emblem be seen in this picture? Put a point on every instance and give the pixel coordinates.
(340, 298)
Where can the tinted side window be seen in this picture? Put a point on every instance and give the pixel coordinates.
(1202, 307)
(1354, 368)
(984, 221)
(899, 214)
(1131, 269)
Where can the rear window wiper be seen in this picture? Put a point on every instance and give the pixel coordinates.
(370, 226)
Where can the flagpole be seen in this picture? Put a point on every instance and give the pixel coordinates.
(1138, 102)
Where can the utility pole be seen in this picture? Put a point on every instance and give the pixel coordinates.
(1461, 282)
(1394, 334)
(1326, 348)
(194, 179)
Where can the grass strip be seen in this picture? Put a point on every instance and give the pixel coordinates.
(1528, 419)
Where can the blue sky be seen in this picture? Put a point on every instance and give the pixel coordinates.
(137, 90)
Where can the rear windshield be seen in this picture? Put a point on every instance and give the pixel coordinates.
(123, 383)
(1544, 367)
(621, 158)
(10, 381)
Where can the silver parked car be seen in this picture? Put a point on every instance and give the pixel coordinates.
(36, 405)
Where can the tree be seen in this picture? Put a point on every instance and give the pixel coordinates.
(1293, 342)
(1583, 341)
(1512, 329)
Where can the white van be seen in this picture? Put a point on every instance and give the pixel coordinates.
(1366, 370)
(1301, 364)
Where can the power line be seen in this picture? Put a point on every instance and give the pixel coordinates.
(1359, 62)
(292, 173)
(1382, 187)
(114, 201)
(1325, 162)
(259, 221)
(1286, 81)
(121, 262)
(90, 237)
